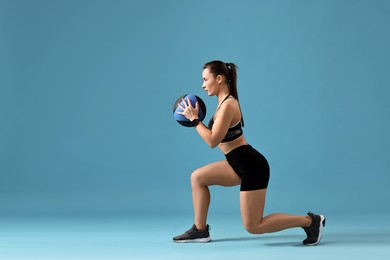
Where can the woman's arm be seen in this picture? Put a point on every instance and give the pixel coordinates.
(221, 125)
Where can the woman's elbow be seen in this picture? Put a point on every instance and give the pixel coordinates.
(212, 144)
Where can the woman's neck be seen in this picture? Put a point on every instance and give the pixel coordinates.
(223, 94)
(221, 98)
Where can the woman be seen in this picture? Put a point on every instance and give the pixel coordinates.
(243, 165)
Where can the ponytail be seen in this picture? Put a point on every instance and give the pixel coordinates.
(229, 71)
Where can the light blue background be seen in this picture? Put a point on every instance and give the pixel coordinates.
(87, 88)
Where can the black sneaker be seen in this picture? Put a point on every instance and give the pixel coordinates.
(315, 230)
(194, 235)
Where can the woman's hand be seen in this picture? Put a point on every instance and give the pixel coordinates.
(189, 111)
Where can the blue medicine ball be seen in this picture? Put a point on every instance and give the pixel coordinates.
(181, 119)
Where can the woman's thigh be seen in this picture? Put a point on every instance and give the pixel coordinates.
(218, 173)
(252, 206)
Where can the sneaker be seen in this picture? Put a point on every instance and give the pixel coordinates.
(194, 235)
(315, 230)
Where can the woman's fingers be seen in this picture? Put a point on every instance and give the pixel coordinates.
(182, 107)
(185, 103)
(189, 102)
(188, 109)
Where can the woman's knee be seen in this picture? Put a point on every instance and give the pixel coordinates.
(197, 177)
(253, 227)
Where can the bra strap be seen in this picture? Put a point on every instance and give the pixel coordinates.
(223, 101)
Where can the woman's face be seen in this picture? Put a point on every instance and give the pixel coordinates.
(210, 83)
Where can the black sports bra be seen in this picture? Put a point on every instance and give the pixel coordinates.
(233, 132)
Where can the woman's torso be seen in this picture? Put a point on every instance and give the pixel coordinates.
(228, 146)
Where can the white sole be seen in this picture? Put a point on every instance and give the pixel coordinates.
(197, 240)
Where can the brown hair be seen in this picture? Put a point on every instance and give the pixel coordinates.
(229, 71)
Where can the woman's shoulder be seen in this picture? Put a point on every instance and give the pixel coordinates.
(231, 101)
(230, 105)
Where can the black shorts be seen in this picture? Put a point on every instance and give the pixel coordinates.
(251, 166)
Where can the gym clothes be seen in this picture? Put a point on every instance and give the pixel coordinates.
(251, 166)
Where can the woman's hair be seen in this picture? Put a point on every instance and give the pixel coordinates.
(229, 71)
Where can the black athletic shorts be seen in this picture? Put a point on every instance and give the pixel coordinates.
(251, 166)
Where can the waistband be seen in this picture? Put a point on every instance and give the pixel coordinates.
(238, 149)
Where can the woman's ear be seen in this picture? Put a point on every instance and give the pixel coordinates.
(219, 79)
